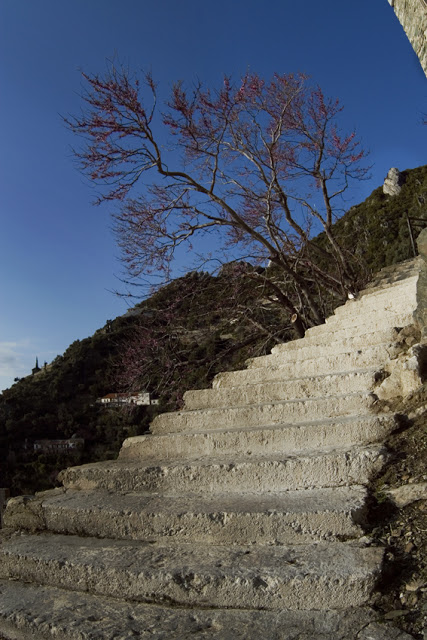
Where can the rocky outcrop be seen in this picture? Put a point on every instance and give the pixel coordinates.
(393, 182)
(241, 515)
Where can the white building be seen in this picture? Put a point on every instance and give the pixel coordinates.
(136, 397)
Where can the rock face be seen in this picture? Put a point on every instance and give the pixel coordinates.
(408, 493)
(412, 15)
(238, 517)
(393, 182)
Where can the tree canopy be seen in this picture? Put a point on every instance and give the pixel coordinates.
(254, 165)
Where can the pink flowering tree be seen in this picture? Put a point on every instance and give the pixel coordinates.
(253, 169)
(195, 327)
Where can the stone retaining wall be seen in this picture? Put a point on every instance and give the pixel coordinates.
(412, 15)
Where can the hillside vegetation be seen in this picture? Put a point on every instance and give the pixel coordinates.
(177, 339)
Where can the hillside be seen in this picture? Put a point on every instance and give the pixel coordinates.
(179, 338)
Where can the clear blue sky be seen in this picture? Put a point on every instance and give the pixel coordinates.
(58, 260)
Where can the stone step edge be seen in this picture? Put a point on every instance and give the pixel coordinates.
(305, 576)
(336, 326)
(276, 427)
(384, 285)
(31, 612)
(373, 375)
(401, 291)
(354, 321)
(269, 414)
(353, 308)
(377, 336)
(330, 467)
(321, 376)
(225, 460)
(309, 351)
(302, 352)
(218, 381)
(377, 353)
(287, 517)
(285, 438)
(204, 502)
(291, 401)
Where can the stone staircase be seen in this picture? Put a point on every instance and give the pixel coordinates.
(240, 515)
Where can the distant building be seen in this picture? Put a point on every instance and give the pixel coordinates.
(139, 398)
(59, 446)
(36, 369)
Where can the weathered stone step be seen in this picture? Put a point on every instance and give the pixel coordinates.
(375, 320)
(269, 440)
(272, 368)
(319, 347)
(269, 413)
(291, 517)
(37, 612)
(339, 340)
(326, 357)
(321, 576)
(307, 387)
(386, 281)
(255, 474)
(395, 299)
(369, 305)
(335, 329)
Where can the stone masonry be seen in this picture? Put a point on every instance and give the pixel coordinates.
(238, 517)
(412, 15)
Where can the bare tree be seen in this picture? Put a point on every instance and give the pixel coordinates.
(254, 166)
(195, 327)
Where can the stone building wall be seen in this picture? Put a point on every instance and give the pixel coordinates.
(412, 15)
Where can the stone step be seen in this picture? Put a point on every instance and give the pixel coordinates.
(389, 280)
(269, 440)
(394, 299)
(327, 356)
(321, 576)
(369, 305)
(254, 474)
(268, 413)
(340, 341)
(358, 324)
(376, 319)
(334, 328)
(307, 387)
(291, 517)
(272, 368)
(37, 612)
(384, 282)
